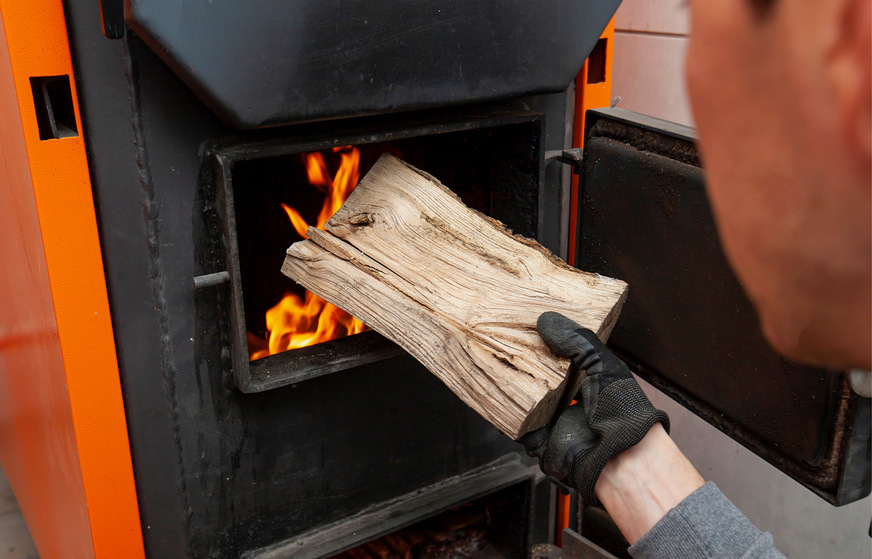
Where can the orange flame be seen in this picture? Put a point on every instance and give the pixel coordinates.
(299, 322)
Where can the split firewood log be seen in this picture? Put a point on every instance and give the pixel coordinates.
(456, 290)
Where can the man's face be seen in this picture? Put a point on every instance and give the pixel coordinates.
(790, 193)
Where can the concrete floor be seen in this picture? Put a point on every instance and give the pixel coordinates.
(15, 542)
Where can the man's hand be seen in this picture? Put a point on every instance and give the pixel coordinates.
(611, 414)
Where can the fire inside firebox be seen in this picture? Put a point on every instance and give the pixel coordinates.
(296, 321)
(277, 198)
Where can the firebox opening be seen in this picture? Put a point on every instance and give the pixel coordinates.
(492, 527)
(271, 193)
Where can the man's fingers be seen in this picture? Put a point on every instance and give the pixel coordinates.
(567, 338)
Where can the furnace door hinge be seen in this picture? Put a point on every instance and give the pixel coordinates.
(572, 157)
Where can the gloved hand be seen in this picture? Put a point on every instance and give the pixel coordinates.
(611, 414)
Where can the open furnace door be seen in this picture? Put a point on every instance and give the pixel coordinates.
(687, 326)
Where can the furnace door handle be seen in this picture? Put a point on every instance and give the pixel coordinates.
(209, 280)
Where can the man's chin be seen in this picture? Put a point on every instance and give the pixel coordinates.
(784, 340)
(804, 341)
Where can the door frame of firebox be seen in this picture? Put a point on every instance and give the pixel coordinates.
(216, 178)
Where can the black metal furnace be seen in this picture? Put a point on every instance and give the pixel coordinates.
(195, 121)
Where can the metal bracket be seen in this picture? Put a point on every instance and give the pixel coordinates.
(572, 157)
(861, 384)
(112, 17)
(576, 546)
(565, 489)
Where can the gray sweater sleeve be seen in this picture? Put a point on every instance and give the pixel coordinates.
(706, 525)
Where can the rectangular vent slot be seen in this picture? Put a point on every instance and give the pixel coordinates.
(53, 100)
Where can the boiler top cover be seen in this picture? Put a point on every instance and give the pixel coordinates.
(272, 62)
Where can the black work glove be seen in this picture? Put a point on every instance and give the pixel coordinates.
(611, 414)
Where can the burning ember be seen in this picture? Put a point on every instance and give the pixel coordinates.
(460, 533)
(297, 322)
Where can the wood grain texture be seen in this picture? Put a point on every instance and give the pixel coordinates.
(455, 289)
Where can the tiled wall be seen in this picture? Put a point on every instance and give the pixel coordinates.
(650, 44)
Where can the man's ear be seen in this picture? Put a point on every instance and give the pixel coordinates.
(850, 72)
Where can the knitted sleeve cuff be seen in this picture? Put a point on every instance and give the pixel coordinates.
(705, 525)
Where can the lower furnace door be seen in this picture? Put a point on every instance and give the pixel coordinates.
(687, 326)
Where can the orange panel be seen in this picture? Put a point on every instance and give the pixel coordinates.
(589, 96)
(37, 443)
(563, 516)
(63, 435)
(591, 92)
